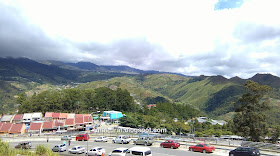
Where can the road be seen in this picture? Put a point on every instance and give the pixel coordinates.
(156, 150)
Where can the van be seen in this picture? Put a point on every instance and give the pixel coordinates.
(143, 151)
(82, 137)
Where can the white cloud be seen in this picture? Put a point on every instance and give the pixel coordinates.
(177, 36)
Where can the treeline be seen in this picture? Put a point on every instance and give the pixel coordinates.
(165, 115)
(78, 101)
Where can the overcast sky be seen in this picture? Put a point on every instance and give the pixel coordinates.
(193, 37)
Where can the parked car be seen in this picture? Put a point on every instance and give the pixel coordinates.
(143, 151)
(144, 141)
(170, 144)
(119, 152)
(96, 151)
(202, 148)
(122, 139)
(23, 145)
(82, 137)
(66, 137)
(242, 151)
(101, 139)
(59, 148)
(77, 150)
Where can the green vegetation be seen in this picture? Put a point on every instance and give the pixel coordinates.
(250, 120)
(161, 116)
(77, 100)
(41, 150)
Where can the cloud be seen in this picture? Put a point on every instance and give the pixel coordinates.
(230, 38)
(251, 32)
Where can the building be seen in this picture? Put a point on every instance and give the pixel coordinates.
(79, 121)
(55, 116)
(151, 105)
(113, 115)
(37, 116)
(27, 118)
(7, 118)
(17, 129)
(17, 118)
(70, 115)
(5, 128)
(70, 124)
(48, 116)
(35, 127)
(88, 121)
(48, 126)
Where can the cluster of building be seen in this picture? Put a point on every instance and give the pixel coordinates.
(51, 122)
(205, 119)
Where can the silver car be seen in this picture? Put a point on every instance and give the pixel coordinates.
(66, 137)
(59, 148)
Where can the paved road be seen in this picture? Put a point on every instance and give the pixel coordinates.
(156, 150)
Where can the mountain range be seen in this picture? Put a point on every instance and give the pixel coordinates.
(214, 96)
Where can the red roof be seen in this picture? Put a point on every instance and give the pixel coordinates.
(48, 125)
(87, 118)
(56, 115)
(18, 117)
(35, 126)
(1, 124)
(63, 115)
(48, 114)
(6, 127)
(16, 128)
(69, 122)
(58, 123)
(79, 119)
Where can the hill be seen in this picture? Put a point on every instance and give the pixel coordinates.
(55, 72)
(213, 95)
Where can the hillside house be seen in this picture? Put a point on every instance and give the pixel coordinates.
(17, 129)
(113, 115)
(7, 118)
(17, 118)
(5, 128)
(35, 127)
(27, 118)
(48, 116)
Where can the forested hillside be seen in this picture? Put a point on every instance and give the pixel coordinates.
(214, 96)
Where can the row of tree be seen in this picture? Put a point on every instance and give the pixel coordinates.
(78, 101)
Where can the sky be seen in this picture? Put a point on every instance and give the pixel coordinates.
(192, 37)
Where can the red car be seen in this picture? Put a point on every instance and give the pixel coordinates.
(83, 137)
(170, 144)
(202, 148)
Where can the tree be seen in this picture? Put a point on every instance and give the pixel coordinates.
(250, 120)
(275, 134)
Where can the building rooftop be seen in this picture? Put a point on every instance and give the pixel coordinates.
(70, 122)
(18, 117)
(6, 127)
(6, 118)
(48, 114)
(16, 128)
(48, 125)
(35, 126)
(63, 115)
(56, 115)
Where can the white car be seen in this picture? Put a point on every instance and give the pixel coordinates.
(101, 139)
(122, 139)
(96, 151)
(119, 152)
(77, 150)
(143, 151)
